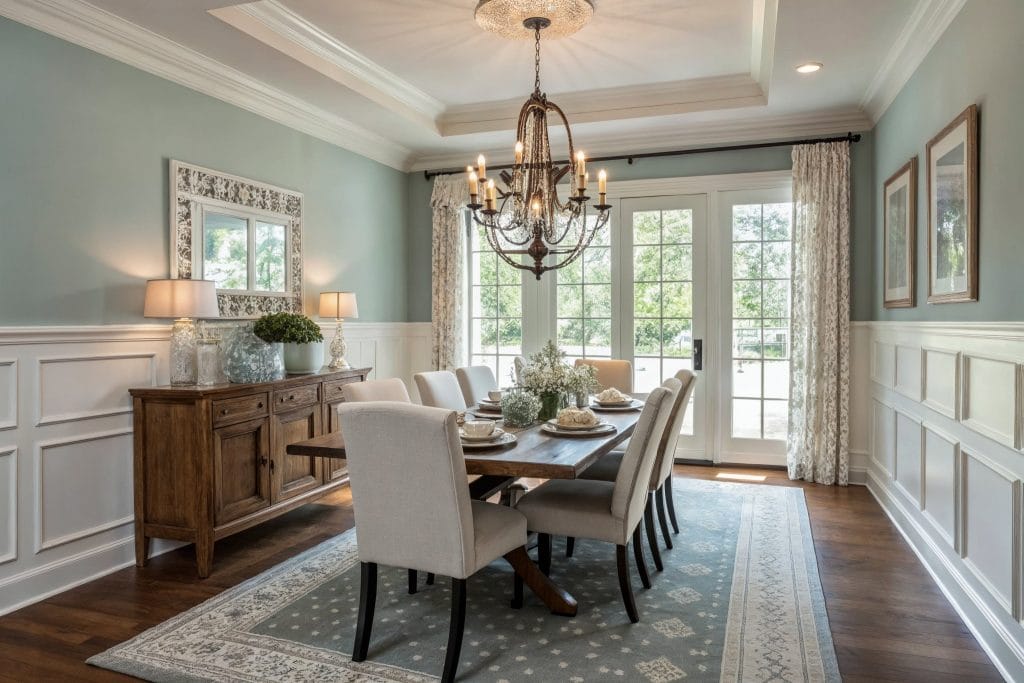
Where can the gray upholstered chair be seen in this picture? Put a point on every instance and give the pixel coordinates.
(611, 373)
(660, 488)
(519, 363)
(602, 510)
(413, 508)
(475, 381)
(376, 390)
(440, 389)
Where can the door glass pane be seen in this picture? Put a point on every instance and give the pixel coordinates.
(761, 262)
(226, 250)
(583, 302)
(662, 296)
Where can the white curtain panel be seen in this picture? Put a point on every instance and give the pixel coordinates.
(447, 201)
(819, 412)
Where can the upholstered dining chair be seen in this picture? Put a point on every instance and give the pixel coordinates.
(602, 510)
(376, 390)
(611, 373)
(519, 364)
(475, 381)
(412, 454)
(440, 389)
(660, 487)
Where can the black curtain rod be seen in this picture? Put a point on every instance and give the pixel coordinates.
(849, 137)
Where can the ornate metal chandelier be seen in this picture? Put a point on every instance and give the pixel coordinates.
(526, 216)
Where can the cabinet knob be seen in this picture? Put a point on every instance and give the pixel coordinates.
(224, 411)
(263, 461)
(260, 404)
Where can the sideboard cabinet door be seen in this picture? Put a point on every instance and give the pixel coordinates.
(293, 475)
(241, 454)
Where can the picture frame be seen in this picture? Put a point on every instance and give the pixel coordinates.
(952, 158)
(899, 218)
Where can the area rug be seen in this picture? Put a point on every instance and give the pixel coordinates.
(739, 600)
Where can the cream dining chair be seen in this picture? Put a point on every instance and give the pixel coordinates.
(611, 373)
(440, 389)
(475, 381)
(602, 510)
(413, 508)
(376, 390)
(660, 487)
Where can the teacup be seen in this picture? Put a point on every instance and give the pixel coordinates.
(494, 395)
(478, 428)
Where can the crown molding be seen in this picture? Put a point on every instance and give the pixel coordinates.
(757, 129)
(282, 29)
(923, 28)
(608, 104)
(762, 43)
(91, 27)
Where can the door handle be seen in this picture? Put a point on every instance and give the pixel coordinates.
(698, 354)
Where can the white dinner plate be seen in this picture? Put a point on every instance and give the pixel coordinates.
(576, 428)
(493, 436)
(506, 439)
(489, 402)
(484, 407)
(604, 430)
(634, 404)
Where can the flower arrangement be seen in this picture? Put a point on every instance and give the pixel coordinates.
(583, 379)
(547, 371)
(519, 407)
(289, 328)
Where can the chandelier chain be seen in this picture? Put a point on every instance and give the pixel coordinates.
(536, 59)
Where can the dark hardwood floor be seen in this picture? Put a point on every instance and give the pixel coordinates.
(889, 620)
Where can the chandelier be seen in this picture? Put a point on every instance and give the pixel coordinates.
(526, 217)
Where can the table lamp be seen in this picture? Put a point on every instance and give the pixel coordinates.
(338, 305)
(182, 300)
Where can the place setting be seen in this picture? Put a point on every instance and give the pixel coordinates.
(489, 407)
(612, 400)
(483, 434)
(577, 422)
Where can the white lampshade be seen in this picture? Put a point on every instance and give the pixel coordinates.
(181, 298)
(338, 305)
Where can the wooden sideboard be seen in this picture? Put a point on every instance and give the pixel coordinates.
(210, 461)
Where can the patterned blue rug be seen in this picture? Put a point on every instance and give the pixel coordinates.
(739, 600)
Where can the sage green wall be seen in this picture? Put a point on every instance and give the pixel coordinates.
(747, 161)
(977, 60)
(84, 146)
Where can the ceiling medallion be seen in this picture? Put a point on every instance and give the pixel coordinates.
(508, 18)
(526, 217)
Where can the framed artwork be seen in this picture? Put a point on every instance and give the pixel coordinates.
(243, 234)
(900, 220)
(953, 211)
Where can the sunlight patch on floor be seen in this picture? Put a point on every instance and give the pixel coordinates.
(740, 477)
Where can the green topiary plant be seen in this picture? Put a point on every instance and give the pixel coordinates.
(290, 328)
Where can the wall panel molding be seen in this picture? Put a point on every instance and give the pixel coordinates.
(966, 522)
(101, 383)
(8, 393)
(9, 503)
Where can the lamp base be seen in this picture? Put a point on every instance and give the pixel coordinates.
(183, 352)
(338, 350)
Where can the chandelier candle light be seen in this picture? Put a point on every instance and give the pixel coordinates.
(527, 217)
(338, 305)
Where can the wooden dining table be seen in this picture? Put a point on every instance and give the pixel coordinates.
(536, 455)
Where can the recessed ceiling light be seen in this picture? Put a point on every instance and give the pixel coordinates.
(808, 67)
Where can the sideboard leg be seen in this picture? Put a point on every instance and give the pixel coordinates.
(141, 546)
(204, 557)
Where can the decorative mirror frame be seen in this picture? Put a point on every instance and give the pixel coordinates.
(190, 185)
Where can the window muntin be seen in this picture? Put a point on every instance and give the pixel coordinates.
(495, 318)
(583, 301)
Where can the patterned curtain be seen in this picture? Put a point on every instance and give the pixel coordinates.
(819, 420)
(449, 257)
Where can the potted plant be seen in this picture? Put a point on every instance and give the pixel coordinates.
(302, 339)
(548, 377)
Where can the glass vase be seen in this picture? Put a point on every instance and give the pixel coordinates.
(249, 359)
(208, 360)
(582, 399)
(550, 403)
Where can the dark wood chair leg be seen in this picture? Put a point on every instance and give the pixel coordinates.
(652, 538)
(413, 581)
(662, 517)
(624, 583)
(455, 629)
(544, 553)
(638, 555)
(570, 545)
(669, 499)
(430, 579)
(367, 601)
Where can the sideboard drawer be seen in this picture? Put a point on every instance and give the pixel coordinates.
(332, 390)
(296, 397)
(233, 410)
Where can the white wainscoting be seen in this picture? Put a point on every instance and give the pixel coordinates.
(66, 505)
(945, 425)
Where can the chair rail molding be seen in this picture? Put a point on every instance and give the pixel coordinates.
(945, 420)
(65, 471)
